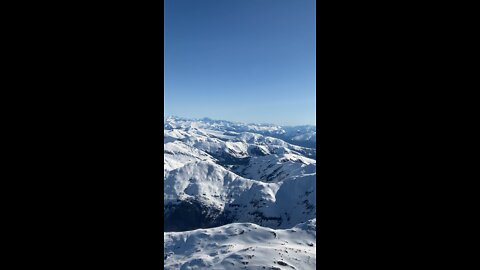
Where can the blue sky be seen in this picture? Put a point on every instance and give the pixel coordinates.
(241, 60)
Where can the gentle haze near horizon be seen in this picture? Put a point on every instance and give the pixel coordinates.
(241, 60)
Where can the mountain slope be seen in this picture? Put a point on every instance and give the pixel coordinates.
(239, 196)
(242, 246)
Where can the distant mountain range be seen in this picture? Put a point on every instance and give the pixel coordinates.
(231, 178)
(304, 135)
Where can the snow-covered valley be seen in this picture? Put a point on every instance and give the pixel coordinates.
(238, 196)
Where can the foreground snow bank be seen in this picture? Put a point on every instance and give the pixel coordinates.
(242, 246)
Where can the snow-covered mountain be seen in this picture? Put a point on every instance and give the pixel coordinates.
(242, 246)
(218, 173)
(298, 135)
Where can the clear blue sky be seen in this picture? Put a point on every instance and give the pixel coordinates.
(241, 60)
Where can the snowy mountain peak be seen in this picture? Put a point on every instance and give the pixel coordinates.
(298, 135)
(228, 187)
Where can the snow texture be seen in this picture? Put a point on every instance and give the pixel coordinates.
(239, 196)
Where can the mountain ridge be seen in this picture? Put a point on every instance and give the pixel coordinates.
(301, 135)
(221, 176)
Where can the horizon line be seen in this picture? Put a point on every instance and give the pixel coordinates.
(235, 122)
